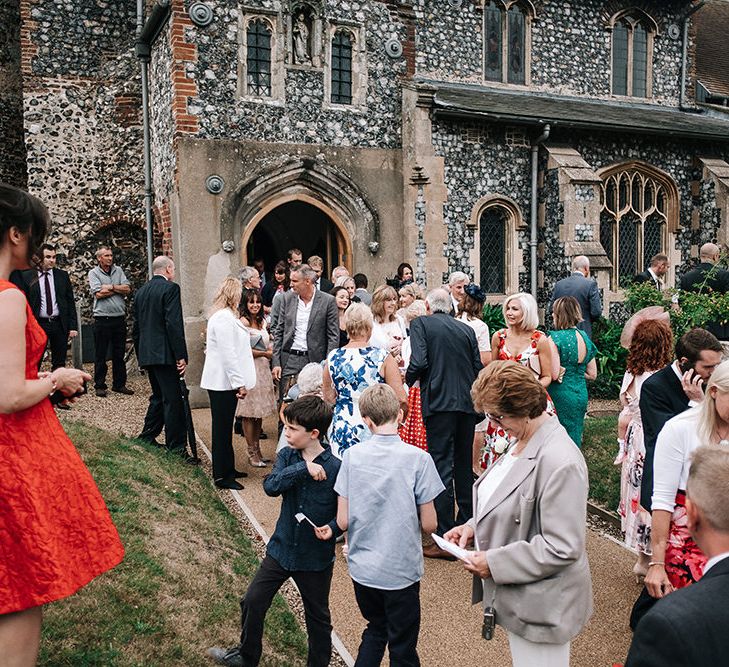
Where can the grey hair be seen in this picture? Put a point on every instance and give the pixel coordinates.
(306, 272)
(246, 273)
(580, 262)
(439, 301)
(457, 277)
(161, 264)
(310, 379)
(103, 248)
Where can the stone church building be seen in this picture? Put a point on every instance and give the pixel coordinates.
(499, 137)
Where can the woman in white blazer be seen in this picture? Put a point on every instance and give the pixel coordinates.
(227, 375)
(529, 525)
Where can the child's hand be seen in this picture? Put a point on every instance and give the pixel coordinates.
(324, 533)
(318, 474)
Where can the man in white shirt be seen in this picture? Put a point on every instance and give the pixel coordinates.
(687, 628)
(307, 327)
(655, 273)
(457, 282)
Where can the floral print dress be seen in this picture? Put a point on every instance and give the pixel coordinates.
(352, 370)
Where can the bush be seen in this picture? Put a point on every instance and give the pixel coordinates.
(494, 317)
(610, 359)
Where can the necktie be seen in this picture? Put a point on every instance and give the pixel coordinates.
(49, 298)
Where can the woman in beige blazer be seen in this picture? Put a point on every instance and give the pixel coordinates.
(529, 527)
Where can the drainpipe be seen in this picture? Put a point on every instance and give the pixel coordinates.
(533, 236)
(684, 52)
(146, 35)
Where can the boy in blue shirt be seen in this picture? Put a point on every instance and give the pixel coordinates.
(304, 474)
(386, 490)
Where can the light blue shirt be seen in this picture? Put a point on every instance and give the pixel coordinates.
(111, 306)
(384, 481)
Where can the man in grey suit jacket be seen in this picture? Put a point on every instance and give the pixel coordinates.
(307, 327)
(584, 289)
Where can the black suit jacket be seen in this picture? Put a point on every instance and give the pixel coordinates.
(158, 330)
(446, 360)
(661, 398)
(646, 277)
(28, 281)
(696, 279)
(587, 295)
(326, 285)
(687, 628)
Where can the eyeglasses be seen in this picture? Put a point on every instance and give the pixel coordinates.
(494, 418)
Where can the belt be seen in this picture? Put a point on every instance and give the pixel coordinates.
(299, 353)
(49, 319)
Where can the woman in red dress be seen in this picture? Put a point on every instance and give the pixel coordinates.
(56, 534)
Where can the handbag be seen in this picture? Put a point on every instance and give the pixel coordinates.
(257, 343)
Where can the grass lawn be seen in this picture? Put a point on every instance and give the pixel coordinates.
(599, 448)
(177, 591)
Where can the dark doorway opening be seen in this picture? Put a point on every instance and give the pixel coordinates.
(296, 224)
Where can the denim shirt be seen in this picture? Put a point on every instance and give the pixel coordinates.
(294, 545)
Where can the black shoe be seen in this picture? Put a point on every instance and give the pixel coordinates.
(228, 484)
(101, 393)
(150, 441)
(63, 406)
(186, 458)
(124, 390)
(239, 474)
(263, 436)
(238, 426)
(229, 657)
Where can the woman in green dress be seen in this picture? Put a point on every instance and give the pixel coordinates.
(577, 358)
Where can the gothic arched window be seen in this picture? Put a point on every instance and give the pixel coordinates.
(341, 69)
(632, 55)
(258, 58)
(492, 249)
(506, 40)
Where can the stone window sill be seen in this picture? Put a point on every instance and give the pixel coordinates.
(267, 101)
(305, 68)
(352, 108)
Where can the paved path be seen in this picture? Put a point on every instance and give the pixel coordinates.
(451, 627)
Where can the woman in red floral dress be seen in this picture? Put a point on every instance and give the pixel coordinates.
(56, 534)
(523, 343)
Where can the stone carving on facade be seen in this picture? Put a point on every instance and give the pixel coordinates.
(301, 53)
(304, 24)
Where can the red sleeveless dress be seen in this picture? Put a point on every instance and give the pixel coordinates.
(56, 534)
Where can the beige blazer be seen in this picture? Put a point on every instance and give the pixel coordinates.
(533, 532)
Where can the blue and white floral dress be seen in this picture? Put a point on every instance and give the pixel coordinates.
(352, 371)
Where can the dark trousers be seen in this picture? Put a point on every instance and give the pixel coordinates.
(393, 621)
(110, 330)
(314, 588)
(57, 341)
(450, 443)
(166, 408)
(222, 413)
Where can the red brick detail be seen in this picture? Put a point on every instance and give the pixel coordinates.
(128, 112)
(162, 229)
(183, 88)
(119, 219)
(28, 49)
(405, 15)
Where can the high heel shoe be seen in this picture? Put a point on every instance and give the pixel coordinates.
(256, 463)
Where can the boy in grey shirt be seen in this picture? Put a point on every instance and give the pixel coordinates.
(386, 490)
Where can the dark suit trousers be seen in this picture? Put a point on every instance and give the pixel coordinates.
(166, 408)
(57, 341)
(450, 443)
(110, 330)
(222, 412)
(314, 588)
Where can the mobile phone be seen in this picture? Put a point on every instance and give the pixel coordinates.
(489, 623)
(685, 366)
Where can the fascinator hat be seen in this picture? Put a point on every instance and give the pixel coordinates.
(475, 292)
(643, 315)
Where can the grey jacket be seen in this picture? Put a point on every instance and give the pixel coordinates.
(587, 294)
(533, 531)
(322, 334)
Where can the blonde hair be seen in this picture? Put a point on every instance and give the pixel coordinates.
(379, 296)
(343, 280)
(358, 321)
(379, 403)
(412, 289)
(228, 294)
(315, 262)
(707, 409)
(415, 309)
(529, 309)
(708, 474)
(566, 312)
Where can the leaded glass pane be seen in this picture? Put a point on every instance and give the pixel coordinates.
(493, 250)
(341, 70)
(620, 59)
(652, 238)
(258, 60)
(517, 47)
(640, 61)
(493, 34)
(627, 249)
(606, 237)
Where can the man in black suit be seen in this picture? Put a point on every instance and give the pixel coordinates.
(655, 273)
(584, 289)
(707, 276)
(687, 628)
(50, 295)
(159, 340)
(672, 390)
(323, 284)
(446, 360)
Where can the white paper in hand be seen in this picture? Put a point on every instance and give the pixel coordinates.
(454, 549)
(302, 517)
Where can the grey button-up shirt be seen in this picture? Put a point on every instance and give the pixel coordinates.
(114, 305)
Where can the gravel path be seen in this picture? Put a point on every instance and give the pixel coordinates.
(450, 632)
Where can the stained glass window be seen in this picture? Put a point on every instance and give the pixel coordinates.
(606, 235)
(341, 70)
(517, 47)
(627, 248)
(652, 239)
(505, 42)
(640, 61)
(620, 59)
(632, 46)
(493, 34)
(493, 250)
(258, 58)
